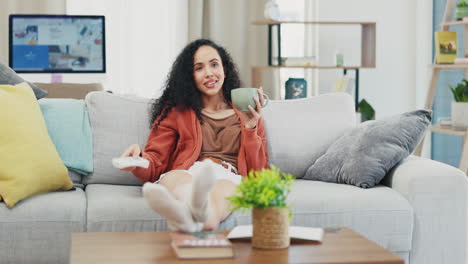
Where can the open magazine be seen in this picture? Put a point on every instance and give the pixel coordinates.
(296, 232)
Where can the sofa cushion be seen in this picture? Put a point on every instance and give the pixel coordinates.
(117, 208)
(363, 156)
(117, 122)
(299, 131)
(381, 214)
(38, 229)
(68, 119)
(29, 163)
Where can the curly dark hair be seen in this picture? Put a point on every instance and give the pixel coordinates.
(180, 88)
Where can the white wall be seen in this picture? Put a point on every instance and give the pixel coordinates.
(8, 7)
(391, 86)
(144, 36)
(142, 39)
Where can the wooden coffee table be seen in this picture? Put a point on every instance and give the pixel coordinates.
(339, 246)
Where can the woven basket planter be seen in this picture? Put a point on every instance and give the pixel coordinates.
(270, 228)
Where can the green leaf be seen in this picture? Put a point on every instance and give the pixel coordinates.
(460, 92)
(261, 189)
(462, 3)
(454, 92)
(366, 109)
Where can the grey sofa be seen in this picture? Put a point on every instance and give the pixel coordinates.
(419, 212)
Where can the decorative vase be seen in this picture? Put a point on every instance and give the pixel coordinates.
(270, 228)
(296, 88)
(461, 12)
(460, 115)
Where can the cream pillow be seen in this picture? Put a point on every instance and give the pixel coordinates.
(29, 163)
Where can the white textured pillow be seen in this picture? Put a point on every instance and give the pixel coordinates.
(363, 156)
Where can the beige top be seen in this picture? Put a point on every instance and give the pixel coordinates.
(221, 138)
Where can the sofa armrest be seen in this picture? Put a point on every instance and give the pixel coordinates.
(437, 192)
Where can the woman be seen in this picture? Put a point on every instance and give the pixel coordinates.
(200, 144)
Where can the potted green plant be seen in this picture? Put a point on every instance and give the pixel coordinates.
(460, 106)
(265, 193)
(462, 10)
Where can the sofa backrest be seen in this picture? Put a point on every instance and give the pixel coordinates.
(301, 130)
(69, 90)
(117, 122)
(298, 131)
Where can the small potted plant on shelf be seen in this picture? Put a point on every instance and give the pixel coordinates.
(460, 106)
(265, 192)
(462, 10)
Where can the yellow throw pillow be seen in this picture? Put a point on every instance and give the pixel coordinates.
(29, 162)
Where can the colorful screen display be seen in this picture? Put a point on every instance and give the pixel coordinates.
(57, 44)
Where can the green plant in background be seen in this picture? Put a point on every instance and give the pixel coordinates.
(462, 3)
(460, 92)
(366, 110)
(262, 189)
(462, 10)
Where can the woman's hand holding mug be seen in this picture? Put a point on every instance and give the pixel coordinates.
(249, 101)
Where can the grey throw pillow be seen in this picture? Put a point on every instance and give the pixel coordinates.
(9, 76)
(363, 156)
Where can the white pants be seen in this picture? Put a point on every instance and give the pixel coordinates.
(221, 172)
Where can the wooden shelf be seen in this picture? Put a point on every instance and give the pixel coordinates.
(274, 22)
(316, 67)
(450, 66)
(368, 41)
(448, 130)
(447, 21)
(368, 50)
(454, 23)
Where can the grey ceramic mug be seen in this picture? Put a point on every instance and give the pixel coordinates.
(243, 97)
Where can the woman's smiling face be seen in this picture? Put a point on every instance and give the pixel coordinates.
(208, 71)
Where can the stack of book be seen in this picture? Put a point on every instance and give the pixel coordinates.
(201, 245)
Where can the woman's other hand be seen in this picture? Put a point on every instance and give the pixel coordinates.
(132, 151)
(251, 118)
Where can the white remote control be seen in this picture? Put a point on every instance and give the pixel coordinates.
(126, 162)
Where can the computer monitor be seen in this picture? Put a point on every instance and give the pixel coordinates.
(57, 44)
